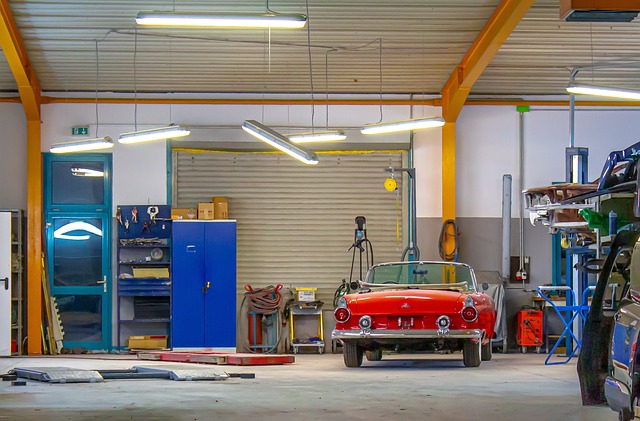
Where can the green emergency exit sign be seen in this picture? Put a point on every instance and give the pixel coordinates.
(75, 131)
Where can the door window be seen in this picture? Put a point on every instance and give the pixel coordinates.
(77, 251)
(77, 183)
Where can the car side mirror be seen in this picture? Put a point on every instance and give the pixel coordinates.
(354, 285)
(485, 286)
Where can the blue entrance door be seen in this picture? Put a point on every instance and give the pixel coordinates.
(78, 233)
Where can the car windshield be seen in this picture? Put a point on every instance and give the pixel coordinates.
(433, 275)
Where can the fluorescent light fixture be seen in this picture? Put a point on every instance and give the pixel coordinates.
(403, 125)
(279, 141)
(162, 133)
(86, 172)
(603, 91)
(311, 137)
(82, 145)
(62, 232)
(223, 20)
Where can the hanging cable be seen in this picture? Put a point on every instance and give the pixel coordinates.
(263, 302)
(444, 234)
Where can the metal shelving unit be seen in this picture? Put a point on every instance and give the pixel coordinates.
(18, 286)
(143, 304)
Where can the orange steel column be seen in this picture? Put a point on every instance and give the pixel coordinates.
(449, 171)
(34, 240)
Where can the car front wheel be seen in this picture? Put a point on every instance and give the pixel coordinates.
(471, 353)
(352, 353)
(625, 415)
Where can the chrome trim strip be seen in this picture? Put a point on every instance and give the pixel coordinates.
(407, 334)
(617, 393)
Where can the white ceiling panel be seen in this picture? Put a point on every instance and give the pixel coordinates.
(357, 46)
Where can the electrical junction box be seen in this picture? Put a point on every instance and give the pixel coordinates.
(306, 295)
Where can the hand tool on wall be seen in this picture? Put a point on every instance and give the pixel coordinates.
(152, 211)
(134, 215)
(119, 215)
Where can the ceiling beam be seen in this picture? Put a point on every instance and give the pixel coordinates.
(23, 73)
(30, 96)
(495, 32)
(456, 91)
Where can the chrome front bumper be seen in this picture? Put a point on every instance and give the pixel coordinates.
(406, 334)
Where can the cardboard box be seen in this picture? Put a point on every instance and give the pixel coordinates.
(220, 207)
(147, 342)
(139, 272)
(184, 213)
(205, 210)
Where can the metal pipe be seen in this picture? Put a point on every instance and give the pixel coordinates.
(507, 181)
(260, 101)
(520, 196)
(572, 109)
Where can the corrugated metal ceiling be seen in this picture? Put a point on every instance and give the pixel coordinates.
(422, 42)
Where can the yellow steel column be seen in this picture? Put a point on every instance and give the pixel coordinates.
(30, 96)
(449, 171)
(34, 243)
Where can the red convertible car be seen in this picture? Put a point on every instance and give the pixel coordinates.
(417, 306)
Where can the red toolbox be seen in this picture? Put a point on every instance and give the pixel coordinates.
(529, 328)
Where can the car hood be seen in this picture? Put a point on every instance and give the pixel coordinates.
(407, 301)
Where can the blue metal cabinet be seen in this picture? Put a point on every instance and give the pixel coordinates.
(204, 284)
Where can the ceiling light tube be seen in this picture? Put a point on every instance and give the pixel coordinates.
(223, 20)
(162, 133)
(603, 91)
(279, 141)
(403, 125)
(311, 137)
(82, 145)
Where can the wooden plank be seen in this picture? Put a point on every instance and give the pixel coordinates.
(259, 359)
(149, 356)
(208, 359)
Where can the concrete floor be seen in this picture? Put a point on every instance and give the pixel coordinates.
(317, 387)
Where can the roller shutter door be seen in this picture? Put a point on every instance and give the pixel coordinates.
(296, 222)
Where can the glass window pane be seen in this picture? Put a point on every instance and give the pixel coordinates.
(81, 317)
(77, 251)
(77, 183)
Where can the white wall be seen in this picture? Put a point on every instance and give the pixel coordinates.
(487, 148)
(140, 172)
(487, 144)
(13, 156)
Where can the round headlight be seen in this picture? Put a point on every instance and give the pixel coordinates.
(365, 322)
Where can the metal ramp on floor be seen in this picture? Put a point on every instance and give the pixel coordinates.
(58, 374)
(77, 375)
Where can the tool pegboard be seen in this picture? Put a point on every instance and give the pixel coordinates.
(143, 221)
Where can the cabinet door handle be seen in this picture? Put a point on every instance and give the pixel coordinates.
(206, 287)
(191, 249)
(6, 282)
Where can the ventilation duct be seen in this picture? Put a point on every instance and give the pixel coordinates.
(599, 10)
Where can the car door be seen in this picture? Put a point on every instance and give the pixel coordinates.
(626, 324)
